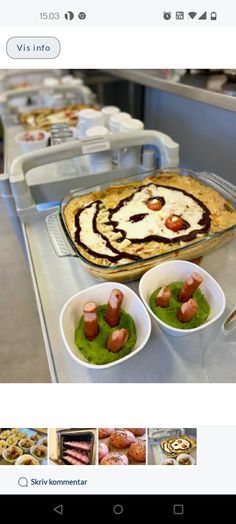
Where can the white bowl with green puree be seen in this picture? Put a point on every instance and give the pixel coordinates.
(210, 297)
(95, 355)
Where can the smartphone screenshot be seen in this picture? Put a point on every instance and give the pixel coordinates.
(117, 266)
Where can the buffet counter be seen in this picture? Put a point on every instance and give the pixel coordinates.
(55, 280)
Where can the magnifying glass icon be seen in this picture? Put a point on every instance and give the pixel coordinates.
(23, 482)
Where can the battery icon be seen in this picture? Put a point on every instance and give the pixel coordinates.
(213, 15)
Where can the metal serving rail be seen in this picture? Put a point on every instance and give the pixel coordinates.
(156, 79)
(164, 358)
(12, 127)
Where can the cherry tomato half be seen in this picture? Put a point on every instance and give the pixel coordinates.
(175, 223)
(155, 204)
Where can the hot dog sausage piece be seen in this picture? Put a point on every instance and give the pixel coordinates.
(90, 320)
(117, 339)
(113, 307)
(189, 286)
(187, 310)
(163, 297)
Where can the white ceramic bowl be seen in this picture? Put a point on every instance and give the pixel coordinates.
(183, 456)
(20, 460)
(26, 449)
(12, 441)
(5, 434)
(43, 442)
(3, 446)
(6, 451)
(179, 270)
(73, 310)
(166, 461)
(33, 145)
(32, 451)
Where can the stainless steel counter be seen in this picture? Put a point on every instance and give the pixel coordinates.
(164, 358)
(202, 88)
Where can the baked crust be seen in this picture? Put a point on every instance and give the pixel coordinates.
(111, 247)
(174, 446)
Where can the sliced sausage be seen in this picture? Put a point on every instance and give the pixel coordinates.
(117, 339)
(187, 310)
(176, 223)
(163, 297)
(189, 286)
(90, 320)
(113, 307)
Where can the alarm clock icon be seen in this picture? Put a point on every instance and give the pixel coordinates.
(167, 15)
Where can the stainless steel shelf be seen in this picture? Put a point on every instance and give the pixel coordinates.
(152, 78)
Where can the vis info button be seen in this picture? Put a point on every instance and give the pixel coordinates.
(20, 47)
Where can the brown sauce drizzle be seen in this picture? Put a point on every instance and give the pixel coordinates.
(118, 254)
(205, 221)
(137, 218)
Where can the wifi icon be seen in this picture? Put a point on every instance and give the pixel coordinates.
(192, 14)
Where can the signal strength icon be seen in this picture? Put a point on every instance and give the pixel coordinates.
(204, 16)
(192, 14)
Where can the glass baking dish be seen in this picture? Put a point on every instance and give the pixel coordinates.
(65, 246)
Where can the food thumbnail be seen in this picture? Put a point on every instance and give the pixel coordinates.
(122, 447)
(73, 447)
(23, 446)
(172, 447)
